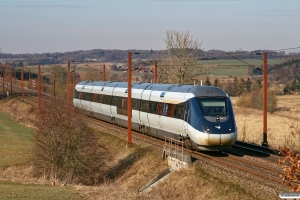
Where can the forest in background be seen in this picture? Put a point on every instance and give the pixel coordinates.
(102, 55)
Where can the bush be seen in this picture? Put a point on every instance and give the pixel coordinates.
(255, 100)
(245, 101)
(66, 149)
(290, 162)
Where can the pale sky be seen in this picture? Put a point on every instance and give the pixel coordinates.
(41, 26)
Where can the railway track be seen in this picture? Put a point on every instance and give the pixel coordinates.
(255, 148)
(224, 158)
(259, 169)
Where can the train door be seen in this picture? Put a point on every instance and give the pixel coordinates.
(106, 100)
(155, 109)
(186, 117)
(144, 109)
(86, 97)
(136, 101)
(96, 106)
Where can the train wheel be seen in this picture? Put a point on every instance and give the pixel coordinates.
(113, 121)
(188, 144)
(92, 114)
(143, 129)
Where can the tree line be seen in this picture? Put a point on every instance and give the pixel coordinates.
(293, 87)
(237, 87)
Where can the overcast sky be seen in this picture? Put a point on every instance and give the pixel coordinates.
(39, 26)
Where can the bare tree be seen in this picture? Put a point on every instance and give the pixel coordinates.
(66, 149)
(61, 80)
(180, 65)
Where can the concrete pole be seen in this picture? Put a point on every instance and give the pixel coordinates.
(68, 92)
(22, 83)
(104, 73)
(265, 100)
(3, 76)
(10, 79)
(129, 136)
(39, 86)
(155, 72)
(29, 75)
(54, 80)
(74, 80)
(15, 76)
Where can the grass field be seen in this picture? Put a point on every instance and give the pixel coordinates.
(11, 190)
(234, 67)
(250, 123)
(16, 142)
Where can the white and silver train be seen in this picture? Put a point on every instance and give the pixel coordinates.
(200, 115)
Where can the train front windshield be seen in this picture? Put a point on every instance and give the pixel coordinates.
(213, 106)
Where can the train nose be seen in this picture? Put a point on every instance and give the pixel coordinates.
(219, 139)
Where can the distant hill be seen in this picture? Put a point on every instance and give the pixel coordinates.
(102, 55)
(286, 70)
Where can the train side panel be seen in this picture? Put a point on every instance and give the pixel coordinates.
(136, 94)
(106, 106)
(143, 114)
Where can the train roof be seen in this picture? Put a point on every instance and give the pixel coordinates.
(184, 88)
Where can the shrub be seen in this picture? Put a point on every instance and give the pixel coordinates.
(66, 149)
(244, 101)
(290, 163)
(255, 100)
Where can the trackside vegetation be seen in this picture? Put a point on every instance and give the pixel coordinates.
(66, 149)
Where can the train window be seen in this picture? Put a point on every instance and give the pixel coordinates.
(94, 97)
(101, 98)
(106, 99)
(124, 105)
(166, 109)
(160, 108)
(114, 101)
(152, 107)
(162, 94)
(144, 106)
(171, 108)
(97, 99)
(135, 104)
(121, 103)
(81, 95)
(179, 111)
(77, 94)
(85, 96)
(90, 96)
(118, 103)
(213, 106)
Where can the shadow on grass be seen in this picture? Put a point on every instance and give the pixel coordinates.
(119, 169)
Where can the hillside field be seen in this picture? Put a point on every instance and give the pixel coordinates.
(16, 143)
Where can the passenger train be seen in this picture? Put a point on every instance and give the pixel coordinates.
(202, 116)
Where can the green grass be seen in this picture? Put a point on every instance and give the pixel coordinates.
(9, 190)
(238, 62)
(16, 142)
(233, 71)
(234, 67)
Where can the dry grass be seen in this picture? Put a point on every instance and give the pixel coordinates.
(287, 113)
(147, 163)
